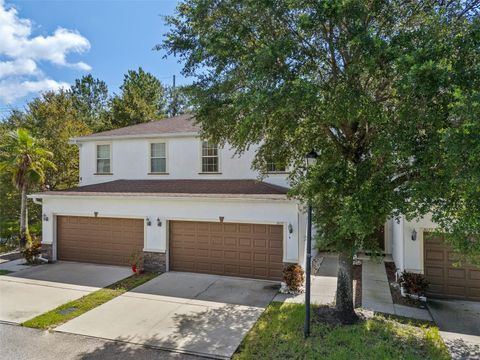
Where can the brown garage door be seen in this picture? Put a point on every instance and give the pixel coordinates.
(98, 240)
(246, 250)
(447, 280)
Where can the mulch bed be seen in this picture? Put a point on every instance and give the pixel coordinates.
(357, 285)
(395, 289)
(329, 315)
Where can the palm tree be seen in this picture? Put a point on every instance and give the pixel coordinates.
(26, 160)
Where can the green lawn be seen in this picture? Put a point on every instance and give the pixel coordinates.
(5, 272)
(278, 334)
(88, 302)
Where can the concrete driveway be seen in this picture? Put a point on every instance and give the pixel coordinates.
(38, 289)
(199, 314)
(459, 324)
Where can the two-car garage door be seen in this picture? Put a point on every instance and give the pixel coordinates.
(245, 250)
(98, 240)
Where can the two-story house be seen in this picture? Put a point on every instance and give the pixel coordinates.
(187, 204)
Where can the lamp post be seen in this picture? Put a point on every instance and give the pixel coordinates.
(310, 158)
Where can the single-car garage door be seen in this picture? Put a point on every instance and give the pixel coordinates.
(98, 240)
(447, 280)
(245, 250)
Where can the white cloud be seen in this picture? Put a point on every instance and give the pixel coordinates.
(11, 90)
(21, 53)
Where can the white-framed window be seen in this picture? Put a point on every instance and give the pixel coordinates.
(274, 167)
(158, 158)
(209, 157)
(104, 159)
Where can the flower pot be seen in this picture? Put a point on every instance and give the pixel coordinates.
(134, 268)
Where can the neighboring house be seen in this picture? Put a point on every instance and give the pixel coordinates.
(415, 248)
(187, 204)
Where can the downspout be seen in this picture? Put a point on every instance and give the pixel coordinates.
(38, 201)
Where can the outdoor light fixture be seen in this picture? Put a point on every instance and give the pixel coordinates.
(95, 213)
(159, 222)
(148, 222)
(311, 158)
(290, 228)
(414, 235)
(221, 218)
(45, 217)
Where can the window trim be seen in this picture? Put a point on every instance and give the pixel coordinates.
(159, 141)
(96, 158)
(219, 162)
(273, 172)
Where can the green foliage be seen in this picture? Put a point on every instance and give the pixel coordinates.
(386, 92)
(54, 118)
(91, 100)
(414, 283)
(142, 99)
(25, 159)
(178, 101)
(277, 335)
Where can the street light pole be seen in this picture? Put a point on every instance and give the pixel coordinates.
(308, 265)
(311, 159)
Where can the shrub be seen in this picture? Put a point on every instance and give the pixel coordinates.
(293, 276)
(136, 258)
(32, 250)
(413, 283)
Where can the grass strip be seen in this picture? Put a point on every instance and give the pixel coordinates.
(75, 308)
(278, 334)
(5, 272)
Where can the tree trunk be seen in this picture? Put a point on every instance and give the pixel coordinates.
(23, 218)
(344, 297)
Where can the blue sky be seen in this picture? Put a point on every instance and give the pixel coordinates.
(63, 40)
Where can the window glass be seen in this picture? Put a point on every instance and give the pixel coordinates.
(209, 157)
(103, 159)
(158, 159)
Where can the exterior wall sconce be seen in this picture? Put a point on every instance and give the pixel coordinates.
(95, 213)
(290, 228)
(221, 218)
(45, 217)
(414, 235)
(159, 222)
(148, 222)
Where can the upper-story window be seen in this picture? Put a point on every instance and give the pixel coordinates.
(273, 167)
(104, 165)
(209, 157)
(158, 158)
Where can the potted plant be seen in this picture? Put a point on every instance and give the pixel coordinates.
(136, 262)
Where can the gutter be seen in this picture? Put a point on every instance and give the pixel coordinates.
(77, 140)
(221, 197)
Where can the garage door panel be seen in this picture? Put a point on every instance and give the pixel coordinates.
(474, 275)
(445, 278)
(98, 240)
(232, 249)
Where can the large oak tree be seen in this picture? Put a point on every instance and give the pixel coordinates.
(386, 91)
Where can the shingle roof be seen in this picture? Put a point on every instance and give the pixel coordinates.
(177, 187)
(178, 124)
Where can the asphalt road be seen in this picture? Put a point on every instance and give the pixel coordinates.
(19, 343)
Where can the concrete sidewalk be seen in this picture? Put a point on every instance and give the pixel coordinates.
(376, 294)
(324, 284)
